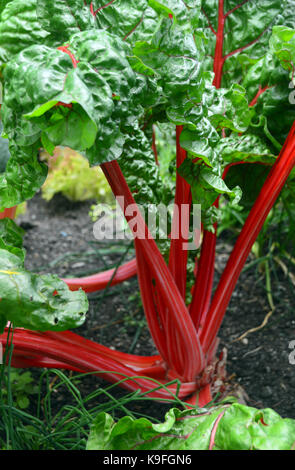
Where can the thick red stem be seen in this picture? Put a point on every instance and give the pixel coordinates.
(204, 279)
(218, 56)
(154, 322)
(192, 359)
(180, 227)
(29, 345)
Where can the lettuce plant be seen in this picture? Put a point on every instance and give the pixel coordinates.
(69, 174)
(96, 76)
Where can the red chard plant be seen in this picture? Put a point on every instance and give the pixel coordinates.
(97, 76)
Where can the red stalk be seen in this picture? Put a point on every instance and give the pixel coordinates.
(218, 56)
(77, 341)
(70, 54)
(8, 213)
(193, 359)
(178, 255)
(204, 279)
(267, 197)
(259, 93)
(30, 345)
(100, 281)
(145, 284)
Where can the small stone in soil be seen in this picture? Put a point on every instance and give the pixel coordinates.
(266, 392)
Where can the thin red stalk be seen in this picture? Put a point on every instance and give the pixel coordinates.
(241, 49)
(259, 93)
(236, 8)
(163, 286)
(65, 105)
(70, 54)
(193, 359)
(178, 255)
(267, 197)
(218, 56)
(100, 281)
(94, 13)
(209, 22)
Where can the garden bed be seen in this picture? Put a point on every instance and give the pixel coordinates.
(59, 239)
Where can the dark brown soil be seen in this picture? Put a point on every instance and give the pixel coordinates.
(59, 239)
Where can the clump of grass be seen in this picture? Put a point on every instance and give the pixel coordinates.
(46, 425)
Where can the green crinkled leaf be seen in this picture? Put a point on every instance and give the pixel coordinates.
(10, 233)
(11, 238)
(212, 110)
(29, 300)
(141, 434)
(200, 142)
(247, 148)
(20, 28)
(97, 88)
(52, 23)
(229, 109)
(223, 427)
(206, 186)
(282, 45)
(64, 18)
(23, 177)
(141, 171)
(248, 177)
(182, 13)
(172, 52)
(275, 102)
